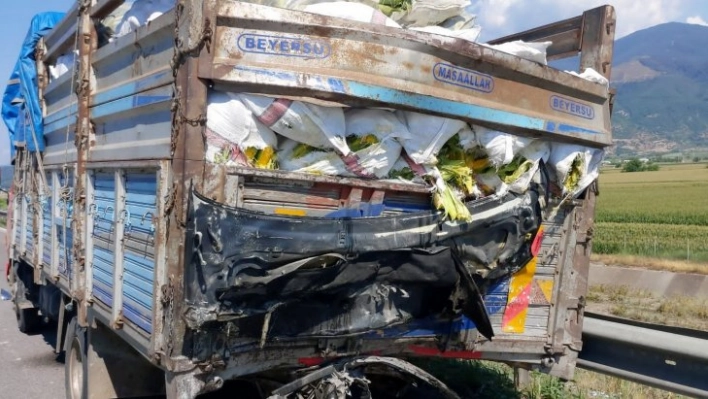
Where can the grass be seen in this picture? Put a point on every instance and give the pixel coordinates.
(622, 301)
(645, 262)
(491, 380)
(660, 214)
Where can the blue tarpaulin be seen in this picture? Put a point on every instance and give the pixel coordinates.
(21, 110)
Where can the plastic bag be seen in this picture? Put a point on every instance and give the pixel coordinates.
(575, 166)
(533, 51)
(428, 134)
(235, 137)
(315, 125)
(500, 147)
(352, 11)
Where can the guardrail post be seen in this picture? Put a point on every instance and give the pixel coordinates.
(522, 378)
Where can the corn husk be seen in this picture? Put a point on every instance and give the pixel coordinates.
(388, 7)
(358, 143)
(444, 199)
(511, 172)
(575, 174)
(401, 171)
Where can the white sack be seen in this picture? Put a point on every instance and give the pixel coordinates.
(428, 134)
(430, 12)
(471, 34)
(535, 152)
(561, 161)
(377, 159)
(490, 183)
(463, 20)
(592, 75)
(235, 128)
(114, 19)
(352, 11)
(64, 64)
(321, 162)
(314, 125)
(533, 51)
(500, 147)
(142, 12)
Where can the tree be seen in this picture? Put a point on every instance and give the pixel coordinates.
(633, 165)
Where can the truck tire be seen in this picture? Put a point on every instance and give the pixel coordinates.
(28, 320)
(75, 362)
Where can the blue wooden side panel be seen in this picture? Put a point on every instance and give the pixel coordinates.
(17, 225)
(103, 235)
(46, 204)
(139, 249)
(63, 226)
(29, 225)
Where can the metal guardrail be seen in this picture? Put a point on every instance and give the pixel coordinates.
(670, 358)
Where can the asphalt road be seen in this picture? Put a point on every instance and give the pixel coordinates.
(28, 366)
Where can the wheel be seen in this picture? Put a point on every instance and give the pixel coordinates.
(75, 361)
(28, 320)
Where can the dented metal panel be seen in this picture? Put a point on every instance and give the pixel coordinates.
(353, 62)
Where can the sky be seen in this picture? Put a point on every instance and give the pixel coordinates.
(497, 18)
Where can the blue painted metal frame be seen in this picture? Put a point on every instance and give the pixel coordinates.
(139, 268)
(398, 98)
(46, 204)
(103, 262)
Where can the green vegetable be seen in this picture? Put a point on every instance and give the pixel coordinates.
(575, 174)
(303, 149)
(511, 172)
(388, 7)
(445, 199)
(358, 143)
(457, 174)
(405, 174)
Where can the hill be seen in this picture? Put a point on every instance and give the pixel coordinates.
(661, 76)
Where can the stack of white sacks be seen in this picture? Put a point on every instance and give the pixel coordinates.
(458, 161)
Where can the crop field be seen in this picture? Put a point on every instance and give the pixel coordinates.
(660, 214)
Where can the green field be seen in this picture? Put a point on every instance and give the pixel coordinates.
(660, 214)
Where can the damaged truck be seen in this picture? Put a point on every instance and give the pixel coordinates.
(175, 259)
